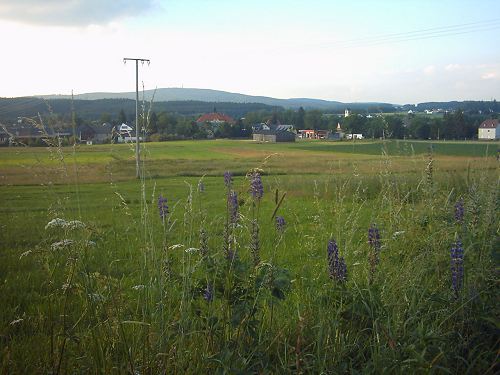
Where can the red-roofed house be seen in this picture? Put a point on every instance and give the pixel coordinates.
(215, 118)
(489, 129)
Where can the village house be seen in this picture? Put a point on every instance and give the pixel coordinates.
(215, 119)
(312, 134)
(273, 133)
(273, 136)
(95, 133)
(489, 129)
(307, 134)
(126, 134)
(26, 133)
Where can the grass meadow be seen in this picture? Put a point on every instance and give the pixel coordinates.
(313, 257)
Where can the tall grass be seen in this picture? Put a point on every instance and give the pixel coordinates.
(204, 282)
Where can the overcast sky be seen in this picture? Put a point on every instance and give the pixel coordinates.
(393, 51)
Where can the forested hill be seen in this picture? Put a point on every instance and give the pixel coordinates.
(468, 105)
(12, 108)
(208, 95)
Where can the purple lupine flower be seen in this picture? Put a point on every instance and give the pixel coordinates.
(333, 259)
(255, 242)
(230, 255)
(337, 268)
(342, 271)
(457, 266)
(228, 179)
(280, 223)
(233, 206)
(162, 207)
(375, 245)
(208, 293)
(459, 211)
(256, 187)
(374, 237)
(201, 187)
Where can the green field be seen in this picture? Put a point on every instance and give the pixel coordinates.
(129, 294)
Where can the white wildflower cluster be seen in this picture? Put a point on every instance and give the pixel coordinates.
(61, 223)
(61, 244)
(75, 224)
(398, 234)
(176, 246)
(56, 223)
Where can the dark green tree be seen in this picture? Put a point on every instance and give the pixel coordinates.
(122, 118)
(301, 115)
(105, 117)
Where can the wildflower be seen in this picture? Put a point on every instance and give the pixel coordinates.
(374, 237)
(457, 266)
(75, 224)
(230, 255)
(162, 207)
(56, 223)
(459, 211)
(26, 253)
(337, 268)
(61, 223)
(280, 223)
(176, 246)
(233, 206)
(333, 258)
(208, 294)
(342, 271)
(138, 287)
(191, 250)
(256, 187)
(255, 242)
(398, 233)
(228, 179)
(61, 244)
(375, 245)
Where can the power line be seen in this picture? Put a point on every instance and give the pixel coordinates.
(424, 31)
(434, 32)
(420, 37)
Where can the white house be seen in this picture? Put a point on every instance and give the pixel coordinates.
(124, 129)
(489, 129)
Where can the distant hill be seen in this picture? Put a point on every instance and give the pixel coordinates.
(207, 95)
(12, 108)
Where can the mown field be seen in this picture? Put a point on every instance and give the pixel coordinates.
(216, 287)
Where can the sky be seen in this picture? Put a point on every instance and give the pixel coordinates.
(353, 51)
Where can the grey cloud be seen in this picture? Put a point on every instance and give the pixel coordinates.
(71, 12)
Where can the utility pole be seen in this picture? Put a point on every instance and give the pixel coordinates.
(137, 148)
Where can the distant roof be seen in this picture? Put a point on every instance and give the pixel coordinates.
(272, 132)
(216, 117)
(489, 124)
(284, 127)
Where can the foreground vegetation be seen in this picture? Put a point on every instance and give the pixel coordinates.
(191, 270)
